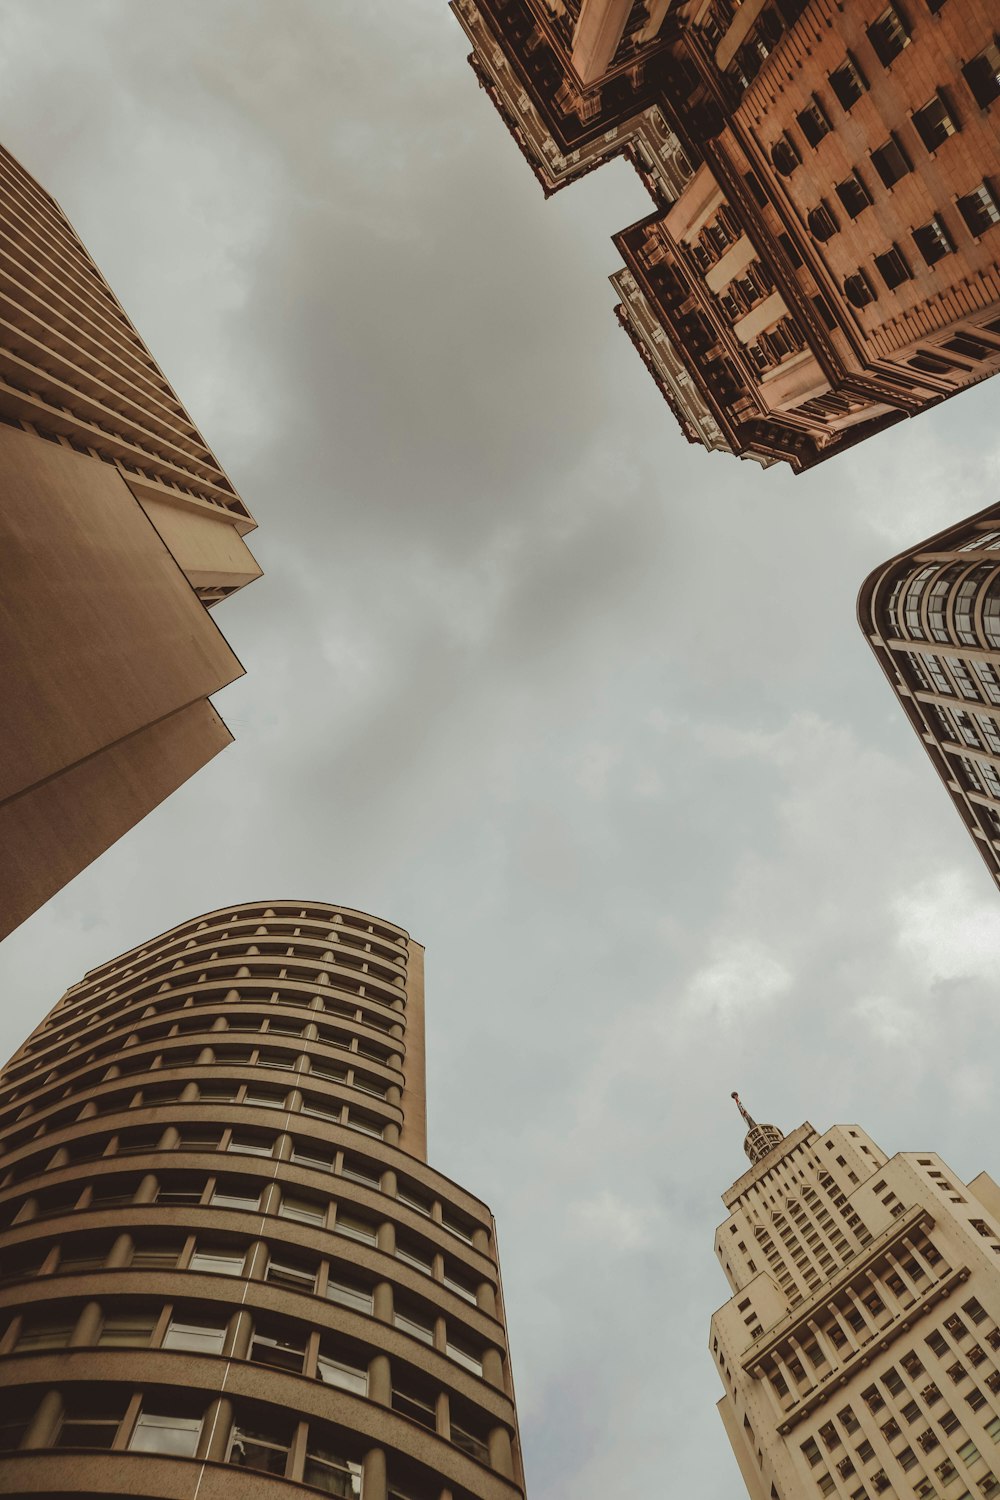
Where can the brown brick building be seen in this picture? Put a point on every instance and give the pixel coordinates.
(118, 532)
(221, 1246)
(823, 257)
(932, 617)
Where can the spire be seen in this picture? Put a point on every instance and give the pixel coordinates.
(760, 1139)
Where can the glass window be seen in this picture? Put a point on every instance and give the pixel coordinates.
(247, 1144)
(982, 75)
(813, 122)
(414, 1253)
(186, 1333)
(349, 1294)
(471, 1441)
(935, 122)
(264, 1097)
(15, 1418)
(128, 1329)
(296, 1276)
(260, 1445)
(367, 1124)
(235, 1195)
(889, 33)
(308, 1154)
(464, 1354)
(356, 1228)
(337, 1372)
(356, 1169)
(419, 1408)
(91, 1418)
(890, 161)
(980, 209)
(154, 1254)
(283, 1350)
(303, 1210)
(893, 267)
(50, 1331)
(223, 1262)
(853, 194)
(415, 1325)
(164, 1433)
(848, 82)
(326, 1469)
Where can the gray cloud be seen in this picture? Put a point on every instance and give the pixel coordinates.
(584, 708)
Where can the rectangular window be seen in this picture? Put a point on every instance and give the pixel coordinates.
(935, 122)
(156, 1433)
(889, 33)
(222, 1262)
(269, 1347)
(227, 1195)
(464, 1354)
(91, 1419)
(303, 1210)
(293, 1275)
(414, 1326)
(128, 1330)
(50, 1332)
(356, 1229)
(982, 75)
(848, 82)
(251, 1145)
(264, 1098)
(256, 1445)
(854, 195)
(327, 1470)
(980, 209)
(306, 1154)
(813, 122)
(356, 1170)
(346, 1377)
(349, 1294)
(933, 240)
(890, 161)
(204, 1338)
(893, 268)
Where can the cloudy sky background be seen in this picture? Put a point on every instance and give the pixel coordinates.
(584, 708)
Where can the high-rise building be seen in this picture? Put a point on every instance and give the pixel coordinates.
(860, 1350)
(118, 531)
(823, 254)
(932, 617)
(221, 1245)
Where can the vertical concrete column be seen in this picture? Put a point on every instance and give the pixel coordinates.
(255, 1266)
(493, 1369)
(391, 1133)
(374, 1479)
(205, 1057)
(189, 1093)
(170, 1139)
(88, 1326)
(238, 1335)
(215, 1432)
(387, 1237)
(486, 1298)
(501, 1453)
(481, 1240)
(442, 1415)
(271, 1199)
(45, 1423)
(389, 1184)
(382, 1301)
(440, 1334)
(147, 1189)
(284, 1146)
(380, 1379)
(11, 1336)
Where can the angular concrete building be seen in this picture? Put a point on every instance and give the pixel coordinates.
(932, 617)
(222, 1247)
(860, 1350)
(118, 532)
(822, 256)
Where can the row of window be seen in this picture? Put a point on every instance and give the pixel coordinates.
(174, 1422)
(280, 1343)
(299, 1150)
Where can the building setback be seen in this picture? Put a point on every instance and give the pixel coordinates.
(932, 617)
(860, 1350)
(222, 1246)
(118, 532)
(823, 257)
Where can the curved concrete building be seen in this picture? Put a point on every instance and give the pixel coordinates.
(221, 1246)
(932, 617)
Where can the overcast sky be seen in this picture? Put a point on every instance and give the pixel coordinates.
(584, 708)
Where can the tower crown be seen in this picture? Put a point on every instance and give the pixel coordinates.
(760, 1139)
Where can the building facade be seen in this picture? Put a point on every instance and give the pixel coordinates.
(823, 255)
(932, 617)
(222, 1246)
(118, 532)
(860, 1350)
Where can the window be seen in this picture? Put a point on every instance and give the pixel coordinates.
(303, 1210)
(235, 1195)
(415, 1325)
(822, 223)
(980, 209)
(461, 1284)
(468, 1441)
(982, 75)
(890, 161)
(356, 1228)
(246, 1144)
(889, 34)
(223, 1262)
(293, 1275)
(785, 156)
(893, 268)
(128, 1330)
(349, 1294)
(934, 243)
(264, 1097)
(259, 1444)
(283, 1351)
(327, 1470)
(91, 1418)
(848, 82)
(51, 1331)
(813, 122)
(307, 1154)
(154, 1255)
(358, 1170)
(155, 1433)
(415, 1253)
(935, 122)
(18, 1410)
(463, 1353)
(367, 1124)
(346, 1377)
(854, 195)
(186, 1333)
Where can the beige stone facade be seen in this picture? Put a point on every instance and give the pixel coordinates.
(118, 531)
(226, 1267)
(932, 617)
(860, 1350)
